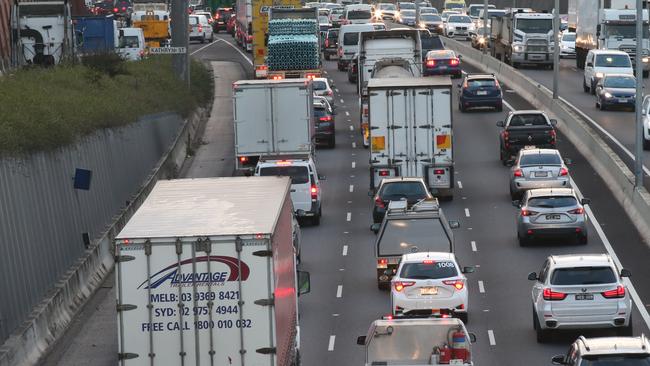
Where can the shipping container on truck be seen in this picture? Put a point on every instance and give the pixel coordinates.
(206, 275)
(261, 10)
(272, 117)
(243, 24)
(95, 33)
(411, 131)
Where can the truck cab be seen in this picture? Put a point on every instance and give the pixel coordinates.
(421, 227)
(524, 38)
(131, 44)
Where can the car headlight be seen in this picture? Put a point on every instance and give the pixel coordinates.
(645, 59)
(518, 48)
(599, 75)
(607, 95)
(441, 26)
(481, 40)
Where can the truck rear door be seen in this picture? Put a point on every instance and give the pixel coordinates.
(251, 108)
(292, 119)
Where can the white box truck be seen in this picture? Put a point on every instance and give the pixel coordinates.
(272, 117)
(206, 275)
(411, 131)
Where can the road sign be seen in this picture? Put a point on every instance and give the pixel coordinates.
(167, 50)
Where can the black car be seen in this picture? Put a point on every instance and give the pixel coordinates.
(480, 90)
(616, 90)
(430, 42)
(325, 124)
(442, 62)
(353, 70)
(331, 43)
(412, 190)
(221, 17)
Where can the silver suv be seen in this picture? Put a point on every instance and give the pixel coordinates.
(580, 291)
(550, 213)
(538, 168)
(606, 351)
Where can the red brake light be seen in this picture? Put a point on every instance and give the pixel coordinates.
(525, 212)
(551, 295)
(618, 293)
(382, 263)
(283, 162)
(518, 173)
(379, 202)
(564, 171)
(431, 63)
(325, 119)
(399, 285)
(123, 8)
(115, 10)
(314, 191)
(428, 261)
(438, 171)
(200, 28)
(243, 159)
(384, 173)
(458, 284)
(329, 92)
(454, 62)
(577, 211)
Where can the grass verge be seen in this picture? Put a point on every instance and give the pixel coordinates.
(44, 109)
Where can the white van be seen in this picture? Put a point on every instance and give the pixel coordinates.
(305, 182)
(357, 14)
(349, 42)
(130, 44)
(602, 62)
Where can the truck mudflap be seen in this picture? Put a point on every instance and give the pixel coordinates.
(379, 172)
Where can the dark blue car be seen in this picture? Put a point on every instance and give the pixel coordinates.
(442, 62)
(616, 90)
(480, 90)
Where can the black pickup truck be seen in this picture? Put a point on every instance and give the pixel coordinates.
(525, 128)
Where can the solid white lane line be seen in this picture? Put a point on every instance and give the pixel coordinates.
(508, 105)
(354, 145)
(349, 216)
(347, 113)
(467, 212)
(473, 243)
(460, 185)
(238, 50)
(351, 188)
(481, 287)
(345, 250)
(339, 291)
(351, 128)
(354, 164)
(493, 341)
(330, 346)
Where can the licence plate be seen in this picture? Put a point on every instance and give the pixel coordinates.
(622, 100)
(481, 92)
(584, 296)
(541, 174)
(443, 67)
(428, 291)
(553, 217)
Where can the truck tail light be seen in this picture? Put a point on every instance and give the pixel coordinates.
(243, 159)
(384, 173)
(438, 171)
(551, 295)
(553, 135)
(458, 284)
(400, 285)
(314, 192)
(382, 263)
(564, 172)
(277, 77)
(518, 173)
(617, 293)
(379, 202)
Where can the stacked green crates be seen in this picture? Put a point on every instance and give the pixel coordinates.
(293, 45)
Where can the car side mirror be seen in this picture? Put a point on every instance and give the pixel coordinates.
(375, 228)
(501, 124)
(558, 360)
(460, 57)
(304, 283)
(516, 203)
(585, 201)
(567, 161)
(590, 64)
(626, 273)
(510, 162)
(361, 340)
(468, 269)
(454, 224)
(472, 338)
(532, 276)
(553, 122)
(321, 177)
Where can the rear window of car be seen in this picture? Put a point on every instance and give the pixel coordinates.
(298, 174)
(582, 276)
(407, 13)
(552, 201)
(441, 55)
(528, 120)
(320, 85)
(194, 20)
(403, 190)
(359, 14)
(569, 37)
(351, 38)
(413, 235)
(319, 112)
(429, 270)
(613, 61)
(477, 83)
(540, 159)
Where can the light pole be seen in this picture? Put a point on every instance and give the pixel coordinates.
(638, 159)
(180, 38)
(485, 18)
(556, 48)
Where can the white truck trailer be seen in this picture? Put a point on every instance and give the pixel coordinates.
(415, 342)
(411, 131)
(608, 25)
(272, 117)
(206, 275)
(520, 37)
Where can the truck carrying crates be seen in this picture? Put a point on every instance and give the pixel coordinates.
(411, 131)
(272, 117)
(206, 275)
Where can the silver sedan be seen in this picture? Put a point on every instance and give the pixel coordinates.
(551, 213)
(538, 168)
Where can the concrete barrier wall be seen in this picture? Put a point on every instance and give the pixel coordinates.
(619, 178)
(37, 331)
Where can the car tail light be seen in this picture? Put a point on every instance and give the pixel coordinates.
(325, 119)
(431, 63)
(438, 171)
(454, 62)
(458, 284)
(506, 135)
(200, 28)
(496, 83)
(465, 84)
(314, 192)
(384, 173)
(283, 163)
(382, 263)
(400, 285)
(526, 212)
(577, 211)
(518, 173)
(311, 76)
(617, 293)
(329, 92)
(564, 171)
(379, 202)
(123, 8)
(115, 10)
(327, 42)
(551, 295)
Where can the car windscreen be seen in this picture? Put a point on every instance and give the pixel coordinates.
(351, 38)
(454, 6)
(430, 18)
(384, 6)
(527, 120)
(403, 6)
(539, 159)
(496, 13)
(413, 235)
(428, 270)
(398, 190)
(552, 201)
(569, 37)
(616, 360)
(459, 19)
(298, 174)
(359, 14)
(613, 61)
(440, 55)
(582, 276)
(431, 42)
(129, 42)
(481, 83)
(619, 82)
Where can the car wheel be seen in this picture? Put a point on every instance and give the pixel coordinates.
(584, 240)
(203, 39)
(503, 156)
(212, 37)
(523, 242)
(592, 88)
(464, 317)
(601, 106)
(626, 331)
(585, 88)
(460, 107)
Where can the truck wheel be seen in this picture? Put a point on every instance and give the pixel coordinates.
(646, 144)
(585, 88)
(646, 73)
(316, 219)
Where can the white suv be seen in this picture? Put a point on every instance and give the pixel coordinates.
(200, 28)
(602, 62)
(606, 351)
(580, 291)
(430, 283)
(305, 182)
(645, 115)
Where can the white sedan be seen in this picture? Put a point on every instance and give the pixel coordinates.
(430, 283)
(459, 26)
